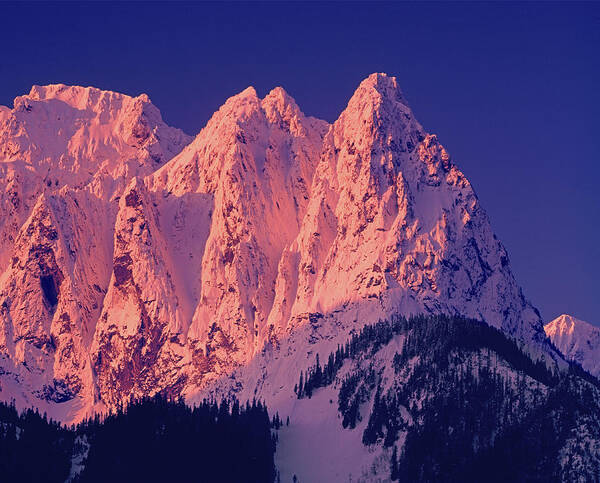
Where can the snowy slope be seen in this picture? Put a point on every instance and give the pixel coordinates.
(474, 389)
(579, 341)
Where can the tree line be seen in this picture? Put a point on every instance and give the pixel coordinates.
(152, 439)
(472, 403)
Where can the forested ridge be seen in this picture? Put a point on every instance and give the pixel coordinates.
(152, 439)
(444, 399)
(465, 403)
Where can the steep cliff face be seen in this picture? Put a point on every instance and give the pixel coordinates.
(66, 155)
(239, 193)
(132, 265)
(138, 341)
(52, 291)
(393, 223)
(579, 341)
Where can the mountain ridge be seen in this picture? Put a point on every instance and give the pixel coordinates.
(268, 231)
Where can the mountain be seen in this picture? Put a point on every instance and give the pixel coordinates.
(579, 341)
(425, 398)
(344, 274)
(137, 260)
(67, 153)
(391, 226)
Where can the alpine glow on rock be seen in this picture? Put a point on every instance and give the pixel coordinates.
(343, 274)
(136, 261)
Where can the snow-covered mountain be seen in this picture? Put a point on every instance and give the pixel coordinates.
(579, 341)
(136, 260)
(67, 153)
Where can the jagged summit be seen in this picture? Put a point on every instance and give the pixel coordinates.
(76, 136)
(78, 95)
(242, 122)
(378, 122)
(248, 92)
(281, 94)
(239, 107)
(385, 86)
(568, 323)
(106, 106)
(280, 107)
(247, 97)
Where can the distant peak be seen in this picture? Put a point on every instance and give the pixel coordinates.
(567, 321)
(569, 318)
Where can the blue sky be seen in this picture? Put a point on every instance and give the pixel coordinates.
(511, 89)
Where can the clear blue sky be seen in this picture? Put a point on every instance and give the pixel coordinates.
(512, 90)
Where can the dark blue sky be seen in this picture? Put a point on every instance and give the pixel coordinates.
(512, 90)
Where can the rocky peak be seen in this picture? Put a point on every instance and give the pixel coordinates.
(393, 224)
(579, 341)
(86, 137)
(240, 107)
(281, 108)
(378, 116)
(384, 85)
(269, 227)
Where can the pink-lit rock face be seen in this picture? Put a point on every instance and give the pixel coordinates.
(579, 341)
(66, 155)
(132, 264)
(393, 223)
